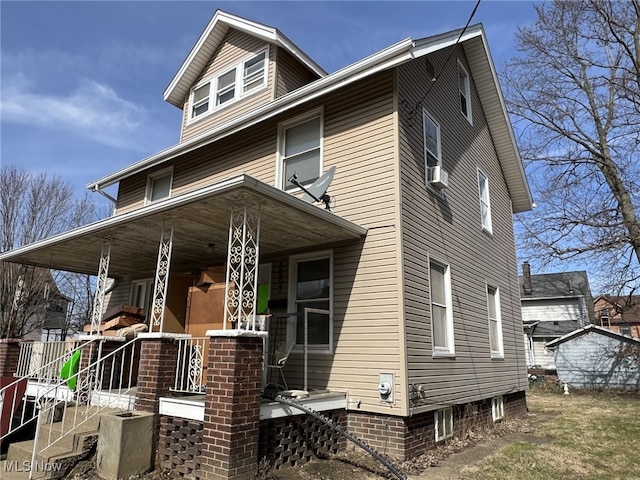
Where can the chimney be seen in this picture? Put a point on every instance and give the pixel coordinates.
(526, 278)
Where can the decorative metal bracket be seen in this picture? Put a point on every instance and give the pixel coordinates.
(242, 267)
(161, 283)
(101, 286)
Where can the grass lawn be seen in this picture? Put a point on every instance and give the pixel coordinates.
(594, 436)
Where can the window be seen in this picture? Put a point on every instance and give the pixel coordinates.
(444, 423)
(431, 141)
(441, 315)
(241, 79)
(159, 185)
(497, 408)
(495, 322)
(464, 87)
(141, 293)
(311, 286)
(226, 87)
(300, 151)
(253, 72)
(485, 205)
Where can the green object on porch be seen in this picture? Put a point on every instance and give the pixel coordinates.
(69, 370)
(263, 299)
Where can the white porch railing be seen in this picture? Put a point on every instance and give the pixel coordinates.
(100, 385)
(42, 361)
(191, 366)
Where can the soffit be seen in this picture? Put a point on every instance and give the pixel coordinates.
(199, 220)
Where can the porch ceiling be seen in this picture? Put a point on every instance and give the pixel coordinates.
(200, 219)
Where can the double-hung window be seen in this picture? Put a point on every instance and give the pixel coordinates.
(159, 185)
(464, 87)
(485, 204)
(495, 322)
(441, 314)
(300, 151)
(237, 81)
(431, 128)
(311, 286)
(444, 423)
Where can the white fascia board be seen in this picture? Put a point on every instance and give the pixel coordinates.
(385, 59)
(438, 42)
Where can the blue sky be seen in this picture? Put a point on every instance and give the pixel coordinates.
(82, 82)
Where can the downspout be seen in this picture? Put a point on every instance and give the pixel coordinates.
(96, 188)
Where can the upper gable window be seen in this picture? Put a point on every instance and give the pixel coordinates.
(159, 186)
(464, 87)
(244, 78)
(300, 151)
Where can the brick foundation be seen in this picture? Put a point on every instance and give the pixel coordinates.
(9, 353)
(156, 371)
(295, 440)
(404, 438)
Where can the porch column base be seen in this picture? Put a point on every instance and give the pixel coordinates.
(232, 406)
(9, 354)
(156, 370)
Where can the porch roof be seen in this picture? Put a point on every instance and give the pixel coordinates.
(200, 220)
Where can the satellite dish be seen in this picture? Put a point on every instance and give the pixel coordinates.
(316, 192)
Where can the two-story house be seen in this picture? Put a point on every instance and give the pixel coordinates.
(553, 305)
(619, 314)
(411, 270)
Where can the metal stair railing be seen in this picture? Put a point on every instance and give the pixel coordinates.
(92, 387)
(41, 361)
(11, 392)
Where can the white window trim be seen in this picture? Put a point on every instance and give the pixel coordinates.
(239, 86)
(438, 156)
(292, 322)
(282, 127)
(466, 93)
(500, 352)
(449, 350)
(489, 227)
(497, 408)
(150, 179)
(147, 285)
(448, 428)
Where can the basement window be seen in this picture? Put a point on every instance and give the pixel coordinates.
(497, 408)
(444, 424)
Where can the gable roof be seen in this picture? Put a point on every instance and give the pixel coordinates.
(208, 43)
(472, 39)
(558, 285)
(594, 329)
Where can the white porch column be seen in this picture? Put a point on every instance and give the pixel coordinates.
(241, 292)
(161, 283)
(101, 286)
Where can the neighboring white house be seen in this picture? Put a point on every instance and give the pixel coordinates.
(553, 305)
(594, 357)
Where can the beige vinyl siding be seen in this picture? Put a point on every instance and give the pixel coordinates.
(449, 229)
(235, 47)
(290, 73)
(359, 139)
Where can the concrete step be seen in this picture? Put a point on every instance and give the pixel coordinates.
(80, 426)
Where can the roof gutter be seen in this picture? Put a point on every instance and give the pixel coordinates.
(396, 54)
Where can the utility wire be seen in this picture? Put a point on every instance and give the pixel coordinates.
(453, 48)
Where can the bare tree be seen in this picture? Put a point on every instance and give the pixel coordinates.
(33, 207)
(574, 95)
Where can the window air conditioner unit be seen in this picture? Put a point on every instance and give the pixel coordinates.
(438, 177)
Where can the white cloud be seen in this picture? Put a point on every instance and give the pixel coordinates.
(93, 110)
